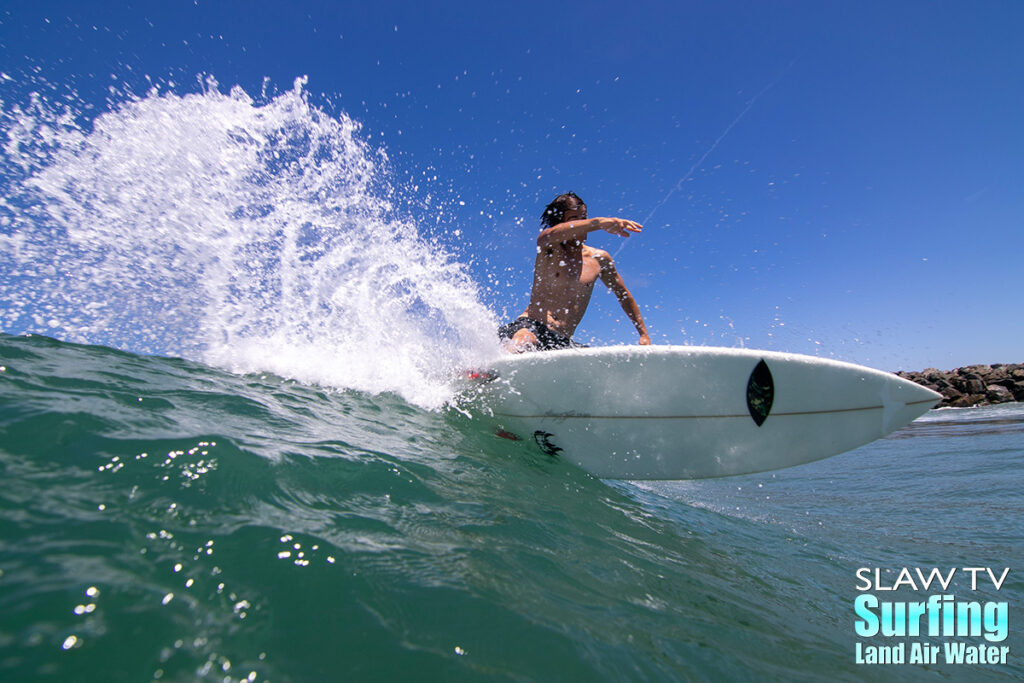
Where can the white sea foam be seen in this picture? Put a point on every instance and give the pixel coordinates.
(254, 236)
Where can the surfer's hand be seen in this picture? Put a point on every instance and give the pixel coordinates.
(619, 226)
(645, 340)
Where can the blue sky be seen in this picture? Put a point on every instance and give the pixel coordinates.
(836, 178)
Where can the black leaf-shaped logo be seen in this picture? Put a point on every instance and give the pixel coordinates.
(760, 393)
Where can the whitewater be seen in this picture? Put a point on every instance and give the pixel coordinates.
(253, 236)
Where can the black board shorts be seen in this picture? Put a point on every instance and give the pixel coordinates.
(547, 338)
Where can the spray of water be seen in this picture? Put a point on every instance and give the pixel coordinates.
(254, 236)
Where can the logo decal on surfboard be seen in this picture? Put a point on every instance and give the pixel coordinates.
(760, 393)
(543, 439)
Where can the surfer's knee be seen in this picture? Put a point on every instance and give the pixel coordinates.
(523, 340)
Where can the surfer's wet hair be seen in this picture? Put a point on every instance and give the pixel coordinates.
(554, 213)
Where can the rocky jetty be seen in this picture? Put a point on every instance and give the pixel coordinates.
(974, 385)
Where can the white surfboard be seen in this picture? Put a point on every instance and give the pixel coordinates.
(684, 412)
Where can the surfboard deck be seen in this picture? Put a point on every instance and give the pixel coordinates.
(688, 412)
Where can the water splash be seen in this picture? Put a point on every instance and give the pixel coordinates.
(254, 236)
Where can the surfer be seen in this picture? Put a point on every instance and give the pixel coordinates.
(563, 278)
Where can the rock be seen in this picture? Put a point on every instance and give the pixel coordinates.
(973, 384)
(998, 394)
(967, 401)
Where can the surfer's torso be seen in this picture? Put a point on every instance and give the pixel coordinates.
(563, 282)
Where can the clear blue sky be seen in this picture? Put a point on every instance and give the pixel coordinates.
(860, 186)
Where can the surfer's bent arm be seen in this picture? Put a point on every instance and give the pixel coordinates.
(578, 229)
(613, 281)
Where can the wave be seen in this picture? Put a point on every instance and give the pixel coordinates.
(250, 235)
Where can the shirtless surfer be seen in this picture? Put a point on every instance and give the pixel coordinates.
(563, 278)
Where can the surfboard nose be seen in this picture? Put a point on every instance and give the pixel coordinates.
(904, 401)
(917, 393)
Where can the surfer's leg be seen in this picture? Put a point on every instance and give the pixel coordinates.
(524, 340)
(527, 334)
(519, 335)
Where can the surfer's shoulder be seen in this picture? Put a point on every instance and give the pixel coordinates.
(602, 256)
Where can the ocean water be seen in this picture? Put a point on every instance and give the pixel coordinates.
(164, 519)
(231, 448)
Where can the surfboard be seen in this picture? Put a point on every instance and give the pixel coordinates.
(687, 412)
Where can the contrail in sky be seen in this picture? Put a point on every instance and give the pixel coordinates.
(753, 100)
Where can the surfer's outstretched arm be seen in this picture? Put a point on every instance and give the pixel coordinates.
(613, 281)
(578, 229)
